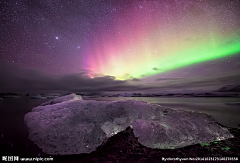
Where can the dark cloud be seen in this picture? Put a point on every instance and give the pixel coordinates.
(201, 83)
(135, 79)
(14, 78)
(155, 68)
(159, 79)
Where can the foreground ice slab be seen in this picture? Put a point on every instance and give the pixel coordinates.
(69, 125)
(70, 97)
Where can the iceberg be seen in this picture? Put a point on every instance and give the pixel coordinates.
(70, 125)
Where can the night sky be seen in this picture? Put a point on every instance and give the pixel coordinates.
(119, 45)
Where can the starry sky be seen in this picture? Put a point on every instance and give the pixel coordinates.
(112, 45)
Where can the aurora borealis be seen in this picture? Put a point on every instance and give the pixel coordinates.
(162, 36)
(120, 42)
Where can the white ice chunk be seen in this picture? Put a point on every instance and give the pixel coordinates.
(73, 126)
(70, 97)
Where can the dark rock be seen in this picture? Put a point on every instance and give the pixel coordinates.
(233, 103)
(9, 94)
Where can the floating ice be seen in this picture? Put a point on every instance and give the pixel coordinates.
(69, 125)
(70, 97)
(35, 96)
(51, 97)
(54, 94)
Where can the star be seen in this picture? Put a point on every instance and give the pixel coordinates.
(171, 34)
